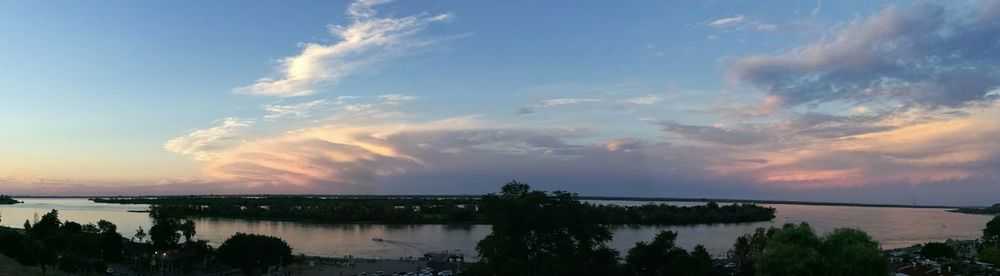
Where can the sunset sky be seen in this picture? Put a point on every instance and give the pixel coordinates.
(852, 101)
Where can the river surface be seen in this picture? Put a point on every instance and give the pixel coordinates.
(893, 227)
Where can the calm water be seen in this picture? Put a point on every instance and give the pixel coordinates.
(893, 227)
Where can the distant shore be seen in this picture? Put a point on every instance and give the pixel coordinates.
(616, 198)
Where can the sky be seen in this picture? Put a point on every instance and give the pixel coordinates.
(846, 101)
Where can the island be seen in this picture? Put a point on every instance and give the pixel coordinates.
(423, 209)
(7, 200)
(991, 210)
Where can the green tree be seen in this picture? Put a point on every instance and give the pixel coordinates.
(935, 250)
(250, 251)
(990, 255)
(852, 252)
(535, 233)
(792, 250)
(796, 250)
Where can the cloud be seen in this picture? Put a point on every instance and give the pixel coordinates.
(202, 144)
(298, 110)
(366, 40)
(715, 134)
(566, 101)
(726, 21)
(396, 99)
(921, 54)
(639, 101)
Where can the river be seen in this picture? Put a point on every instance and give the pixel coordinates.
(893, 227)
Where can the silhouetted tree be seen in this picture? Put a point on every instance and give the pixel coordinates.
(188, 230)
(934, 250)
(250, 251)
(535, 233)
(663, 257)
(991, 234)
(140, 235)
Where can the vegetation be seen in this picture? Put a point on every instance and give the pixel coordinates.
(992, 210)
(249, 252)
(990, 255)
(936, 250)
(663, 257)
(69, 246)
(537, 233)
(991, 234)
(7, 200)
(425, 210)
(796, 250)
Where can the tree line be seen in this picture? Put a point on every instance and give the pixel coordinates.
(88, 249)
(7, 200)
(427, 210)
(541, 233)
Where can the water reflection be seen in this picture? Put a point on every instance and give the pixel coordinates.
(893, 227)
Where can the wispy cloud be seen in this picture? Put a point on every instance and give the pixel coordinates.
(726, 21)
(298, 110)
(366, 40)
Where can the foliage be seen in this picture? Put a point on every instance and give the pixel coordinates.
(992, 210)
(250, 251)
(537, 233)
(7, 200)
(70, 246)
(990, 255)
(796, 250)
(991, 234)
(749, 246)
(373, 209)
(663, 257)
(935, 250)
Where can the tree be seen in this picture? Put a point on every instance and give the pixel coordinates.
(796, 250)
(990, 255)
(250, 251)
(852, 252)
(991, 234)
(48, 225)
(749, 246)
(188, 230)
(663, 257)
(792, 250)
(535, 233)
(165, 233)
(140, 235)
(935, 250)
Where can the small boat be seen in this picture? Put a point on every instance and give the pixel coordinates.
(377, 239)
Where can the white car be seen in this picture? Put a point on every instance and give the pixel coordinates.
(445, 273)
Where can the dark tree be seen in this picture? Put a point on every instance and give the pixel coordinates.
(165, 233)
(535, 233)
(991, 234)
(188, 230)
(935, 250)
(663, 257)
(250, 251)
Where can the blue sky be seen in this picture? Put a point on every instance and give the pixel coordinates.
(798, 100)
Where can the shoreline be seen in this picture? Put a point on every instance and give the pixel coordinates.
(582, 197)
